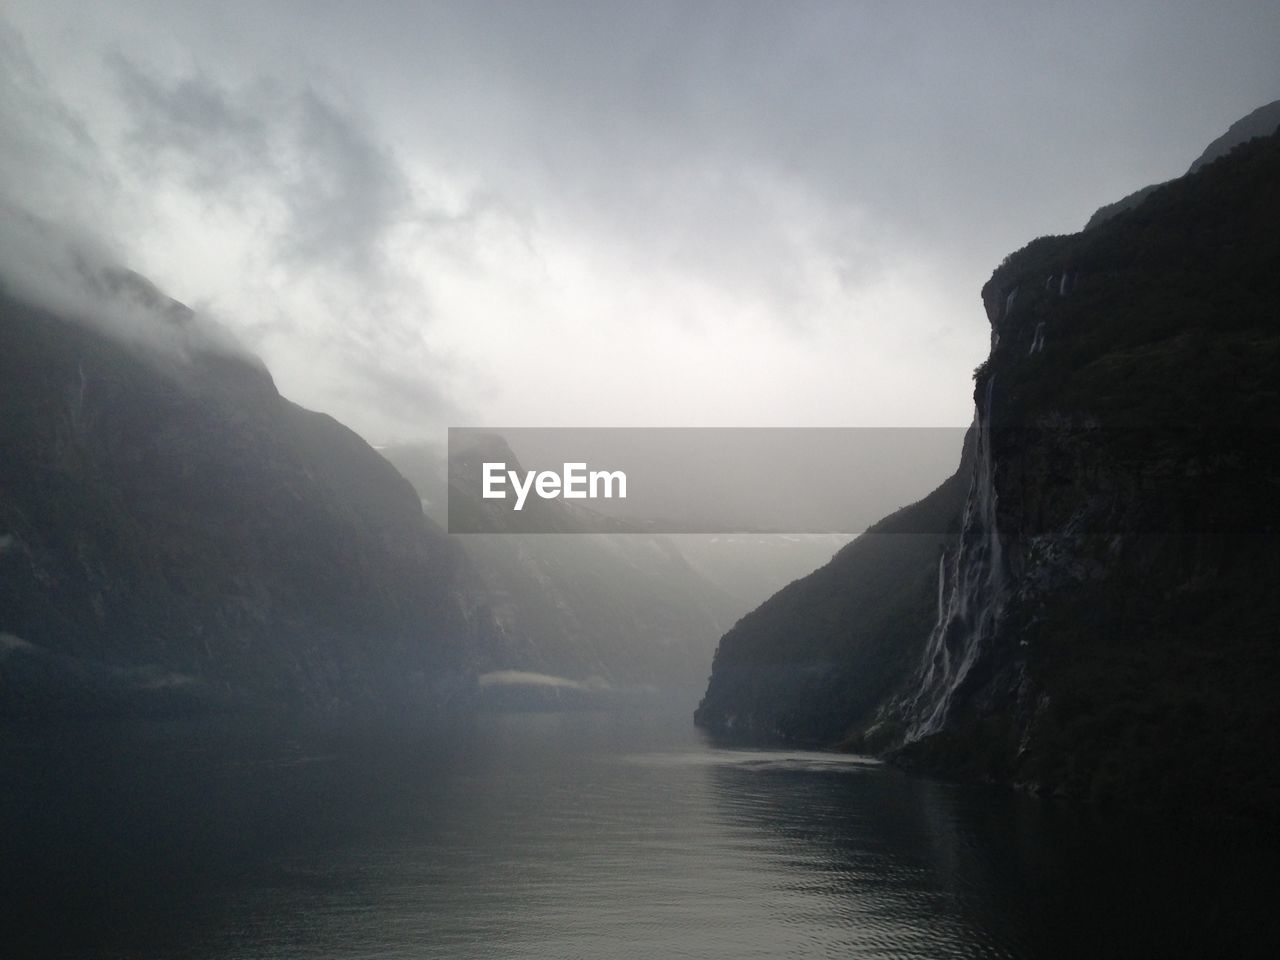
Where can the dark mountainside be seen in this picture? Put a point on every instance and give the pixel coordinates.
(626, 609)
(1260, 123)
(817, 658)
(1104, 625)
(175, 535)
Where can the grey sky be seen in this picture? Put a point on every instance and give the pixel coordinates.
(608, 214)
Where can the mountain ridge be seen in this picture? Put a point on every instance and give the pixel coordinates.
(1262, 122)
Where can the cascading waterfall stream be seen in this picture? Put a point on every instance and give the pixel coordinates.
(1037, 340)
(970, 594)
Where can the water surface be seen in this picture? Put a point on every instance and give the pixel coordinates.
(581, 834)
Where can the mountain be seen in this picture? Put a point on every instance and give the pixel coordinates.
(751, 567)
(816, 659)
(175, 535)
(1260, 123)
(618, 609)
(1103, 623)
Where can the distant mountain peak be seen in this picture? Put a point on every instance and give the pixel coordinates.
(1260, 123)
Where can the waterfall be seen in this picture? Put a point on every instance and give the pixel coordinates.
(1008, 301)
(942, 587)
(1064, 284)
(970, 594)
(1037, 339)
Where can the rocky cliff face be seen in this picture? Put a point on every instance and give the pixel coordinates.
(176, 535)
(1111, 632)
(1104, 624)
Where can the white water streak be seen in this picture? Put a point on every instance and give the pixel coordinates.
(970, 598)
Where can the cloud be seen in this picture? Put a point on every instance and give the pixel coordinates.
(53, 187)
(287, 207)
(337, 192)
(76, 278)
(522, 678)
(612, 213)
(49, 161)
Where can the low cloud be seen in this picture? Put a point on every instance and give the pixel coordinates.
(78, 279)
(522, 678)
(270, 205)
(330, 193)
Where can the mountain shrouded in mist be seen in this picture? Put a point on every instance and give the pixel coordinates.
(624, 608)
(176, 535)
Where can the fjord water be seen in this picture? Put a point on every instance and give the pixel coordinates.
(578, 834)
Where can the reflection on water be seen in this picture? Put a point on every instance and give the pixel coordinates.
(570, 835)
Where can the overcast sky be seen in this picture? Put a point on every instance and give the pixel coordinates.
(627, 213)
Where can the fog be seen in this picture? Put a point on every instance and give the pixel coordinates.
(79, 278)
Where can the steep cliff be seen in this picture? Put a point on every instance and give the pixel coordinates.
(175, 535)
(1104, 623)
(1110, 625)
